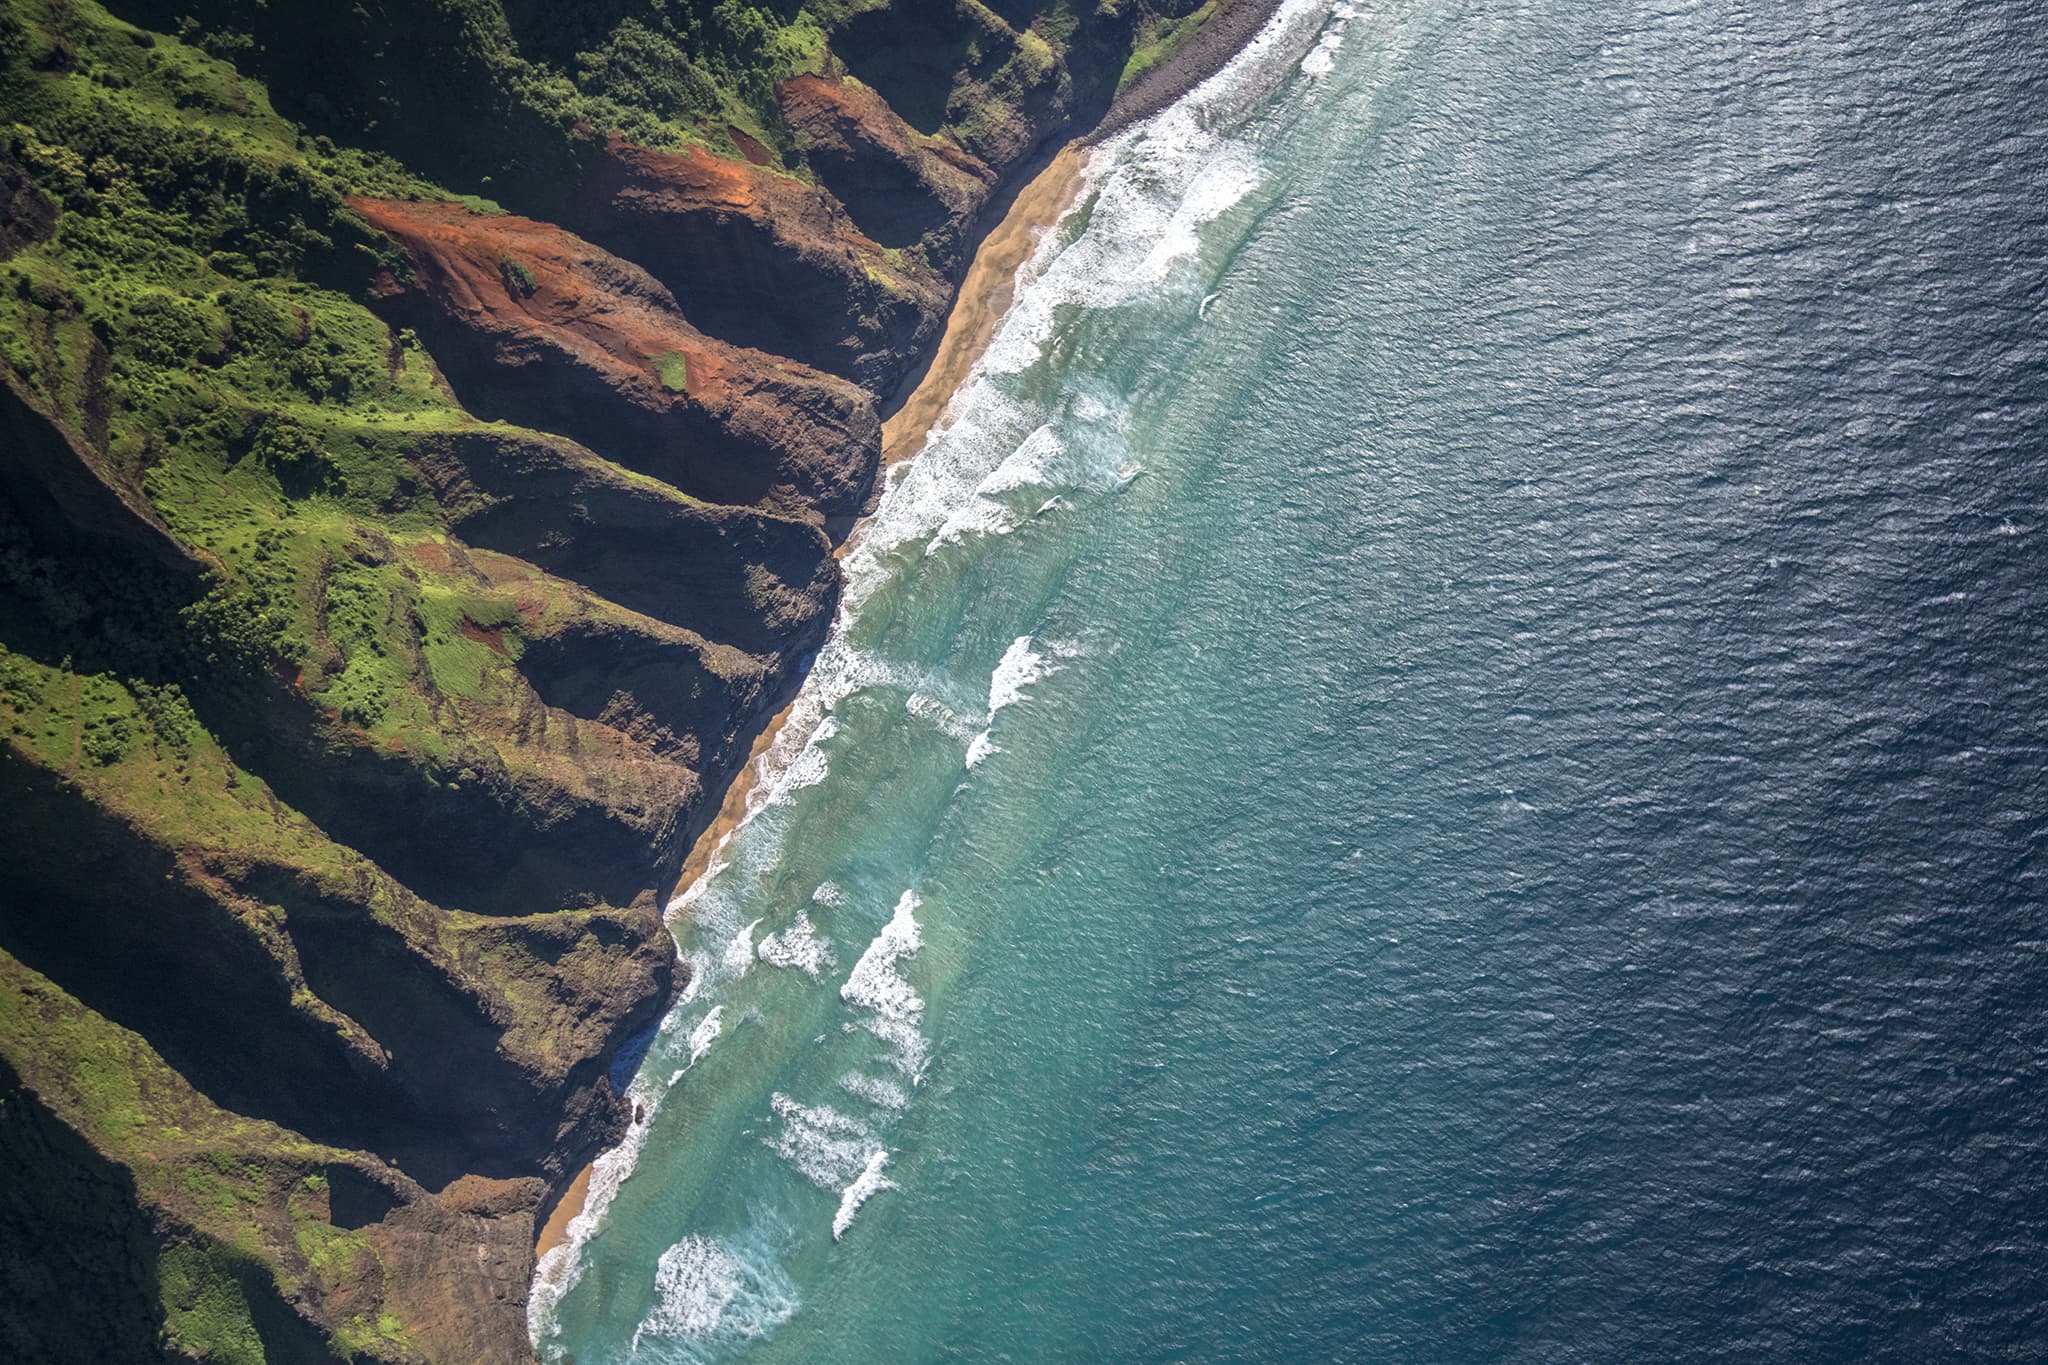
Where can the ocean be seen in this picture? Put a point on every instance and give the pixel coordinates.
(1445, 761)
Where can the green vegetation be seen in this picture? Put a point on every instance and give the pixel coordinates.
(197, 225)
(518, 279)
(1159, 37)
(662, 73)
(206, 1312)
(674, 371)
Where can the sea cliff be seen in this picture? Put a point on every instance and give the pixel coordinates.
(425, 432)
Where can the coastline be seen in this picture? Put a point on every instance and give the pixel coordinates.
(984, 297)
(1223, 36)
(986, 292)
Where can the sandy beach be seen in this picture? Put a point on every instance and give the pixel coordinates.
(984, 298)
(555, 1231)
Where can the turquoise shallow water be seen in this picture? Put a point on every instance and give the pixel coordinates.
(1444, 763)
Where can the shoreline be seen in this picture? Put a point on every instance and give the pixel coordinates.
(1228, 32)
(984, 298)
(986, 291)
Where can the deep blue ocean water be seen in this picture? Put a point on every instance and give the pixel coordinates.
(1446, 761)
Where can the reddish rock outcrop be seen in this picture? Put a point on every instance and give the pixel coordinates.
(764, 260)
(535, 325)
(900, 186)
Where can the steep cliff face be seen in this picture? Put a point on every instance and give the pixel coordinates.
(536, 326)
(763, 259)
(905, 188)
(425, 429)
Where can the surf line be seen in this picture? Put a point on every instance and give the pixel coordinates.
(985, 297)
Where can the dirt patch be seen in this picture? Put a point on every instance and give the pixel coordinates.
(483, 635)
(750, 146)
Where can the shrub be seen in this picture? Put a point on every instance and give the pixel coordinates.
(519, 281)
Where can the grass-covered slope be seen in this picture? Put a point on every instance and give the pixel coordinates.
(424, 430)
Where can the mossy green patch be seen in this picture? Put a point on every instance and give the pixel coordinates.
(673, 368)
(206, 1310)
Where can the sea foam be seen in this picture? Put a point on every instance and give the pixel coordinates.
(882, 1093)
(739, 953)
(710, 1289)
(796, 945)
(706, 1032)
(1322, 58)
(875, 983)
(828, 1147)
(869, 1183)
(1020, 667)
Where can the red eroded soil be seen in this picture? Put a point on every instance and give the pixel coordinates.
(483, 635)
(605, 309)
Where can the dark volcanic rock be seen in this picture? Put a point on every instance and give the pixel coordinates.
(763, 582)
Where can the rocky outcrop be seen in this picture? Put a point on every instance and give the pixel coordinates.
(505, 817)
(331, 1000)
(762, 260)
(762, 582)
(535, 325)
(62, 485)
(983, 76)
(336, 1256)
(901, 187)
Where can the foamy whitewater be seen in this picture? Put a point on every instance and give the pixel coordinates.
(1436, 760)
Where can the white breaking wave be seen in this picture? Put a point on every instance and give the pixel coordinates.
(705, 1288)
(883, 1094)
(810, 766)
(706, 1033)
(828, 1147)
(869, 1183)
(875, 983)
(796, 945)
(1322, 58)
(739, 953)
(1020, 667)
(979, 748)
(989, 512)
